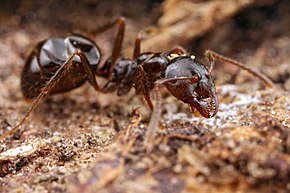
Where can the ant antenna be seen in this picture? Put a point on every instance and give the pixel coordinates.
(212, 55)
(211, 61)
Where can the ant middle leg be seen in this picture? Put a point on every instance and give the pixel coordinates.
(142, 34)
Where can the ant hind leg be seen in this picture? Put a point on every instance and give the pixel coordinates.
(118, 45)
(108, 67)
(53, 82)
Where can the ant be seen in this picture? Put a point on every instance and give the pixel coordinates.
(61, 64)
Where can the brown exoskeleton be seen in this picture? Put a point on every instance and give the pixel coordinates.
(61, 64)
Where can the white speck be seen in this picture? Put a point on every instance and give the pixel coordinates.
(18, 151)
(176, 55)
(22, 151)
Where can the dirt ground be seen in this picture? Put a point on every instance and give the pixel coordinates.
(83, 141)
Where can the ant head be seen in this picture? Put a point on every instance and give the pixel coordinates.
(199, 93)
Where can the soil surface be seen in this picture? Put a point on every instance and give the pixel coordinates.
(84, 141)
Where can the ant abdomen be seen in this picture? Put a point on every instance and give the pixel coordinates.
(48, 56)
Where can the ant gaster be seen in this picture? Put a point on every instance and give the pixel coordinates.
(61, 64)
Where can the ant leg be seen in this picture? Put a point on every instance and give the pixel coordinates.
(141, 35)
(106, 26)
(108, 67)
(211, 55)
(141, 86)
(137, 48)
(156, 113)
(88, 71)
(177, 50)
(210, 60)
(118, 44)
(52, 83)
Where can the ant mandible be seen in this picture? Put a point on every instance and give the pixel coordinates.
(61, 64)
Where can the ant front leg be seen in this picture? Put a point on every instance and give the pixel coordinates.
(211, 55)
(66, 67)
(156, 113)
